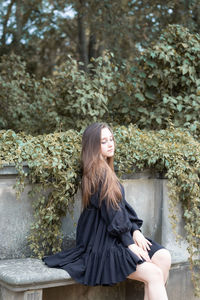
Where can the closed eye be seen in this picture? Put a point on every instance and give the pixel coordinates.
(104, 141)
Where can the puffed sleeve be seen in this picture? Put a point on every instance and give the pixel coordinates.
(118, 222)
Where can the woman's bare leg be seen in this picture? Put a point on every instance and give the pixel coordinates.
(146, 296)
(162, 259)
(152, 276)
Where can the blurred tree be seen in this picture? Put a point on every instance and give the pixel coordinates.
(44, 32)
(40, 31)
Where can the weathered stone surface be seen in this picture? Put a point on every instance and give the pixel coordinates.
(15, 219)
(177, 248)
(30, 273)
(145, 196)
(179, 286)
(6, 294)
(134, 290)
(81, 292)
(10, 295)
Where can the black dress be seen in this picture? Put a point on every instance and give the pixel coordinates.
(101, 255)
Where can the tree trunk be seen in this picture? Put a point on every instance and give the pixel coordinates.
(82, 40)
(92, 46)
(196, 16)
(18, 33)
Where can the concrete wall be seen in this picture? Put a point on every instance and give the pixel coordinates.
(146, 192)
(81, 292)
(15, 217)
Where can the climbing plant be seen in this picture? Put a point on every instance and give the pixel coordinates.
(54, 170)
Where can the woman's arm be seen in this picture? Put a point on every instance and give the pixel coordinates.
(117, 220)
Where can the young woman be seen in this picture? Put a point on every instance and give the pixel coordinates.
(109, 244)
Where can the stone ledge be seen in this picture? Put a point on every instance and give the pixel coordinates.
(30, 273)
(10, 169)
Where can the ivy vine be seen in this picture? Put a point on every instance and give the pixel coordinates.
(54, 170)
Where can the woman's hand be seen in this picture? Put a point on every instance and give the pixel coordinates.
(141, 241)
(142, 254)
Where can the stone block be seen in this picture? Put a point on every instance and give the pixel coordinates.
(145, 196)
(180, 286)
(177, 248)
(134, 290)
(16, 217)
(6, 294)
(81, 292)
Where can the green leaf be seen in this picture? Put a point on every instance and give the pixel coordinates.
(179, 107)
(139, 96)
(150, 95)
(152, 82)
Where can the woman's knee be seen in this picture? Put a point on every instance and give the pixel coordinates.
(147, 273)
(156, 274)
(162, 256)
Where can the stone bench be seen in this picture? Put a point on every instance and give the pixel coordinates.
(25, 279)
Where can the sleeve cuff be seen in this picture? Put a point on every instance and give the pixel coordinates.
(135, 227)
(126, 238)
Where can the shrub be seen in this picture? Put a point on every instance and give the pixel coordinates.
(82, 98)
(71, 99)
(26, 104)
(162, 86)
(166, 83)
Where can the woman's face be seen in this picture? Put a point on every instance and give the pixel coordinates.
(107, 143)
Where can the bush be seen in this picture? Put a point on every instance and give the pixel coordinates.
(163, 86)
(82, 98)
(71, 99)
(166, 83)
(26, 104)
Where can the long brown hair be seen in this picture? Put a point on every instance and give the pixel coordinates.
(96, 170)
